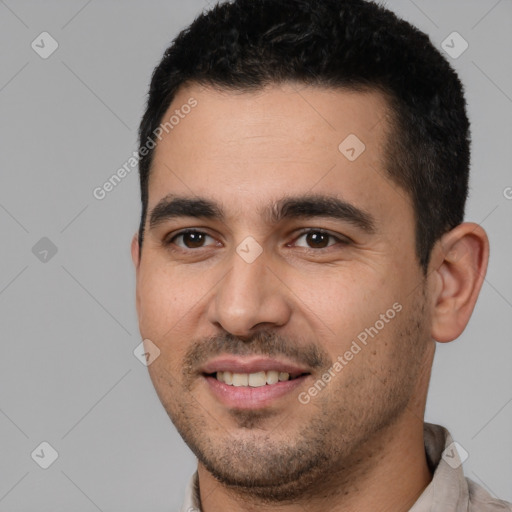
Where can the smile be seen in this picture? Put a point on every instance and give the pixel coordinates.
(254, 380)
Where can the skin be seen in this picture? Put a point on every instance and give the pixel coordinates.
(358, 444)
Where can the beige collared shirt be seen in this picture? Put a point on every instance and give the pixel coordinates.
(449, 490)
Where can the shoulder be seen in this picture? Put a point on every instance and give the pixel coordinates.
(481, 501)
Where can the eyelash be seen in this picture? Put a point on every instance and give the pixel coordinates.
(343, 241)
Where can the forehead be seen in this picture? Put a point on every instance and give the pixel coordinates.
(289, 115)
(242, 147)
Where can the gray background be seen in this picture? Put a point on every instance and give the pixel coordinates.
(68, 373)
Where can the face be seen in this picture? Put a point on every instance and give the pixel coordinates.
(276, 244)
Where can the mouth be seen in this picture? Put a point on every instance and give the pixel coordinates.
(255, 390)
(253, 382)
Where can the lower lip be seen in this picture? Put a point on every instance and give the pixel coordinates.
(246, 397)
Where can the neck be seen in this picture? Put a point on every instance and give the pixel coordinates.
(388, 473)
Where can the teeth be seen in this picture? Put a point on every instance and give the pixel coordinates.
(257, 379)
(240, 379)
(272, 377)
(254, 380)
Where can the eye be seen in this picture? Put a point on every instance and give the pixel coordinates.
(318, 239)
(189, 239)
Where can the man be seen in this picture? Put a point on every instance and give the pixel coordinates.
(304, 171)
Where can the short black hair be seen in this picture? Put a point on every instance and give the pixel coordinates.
(357, 45)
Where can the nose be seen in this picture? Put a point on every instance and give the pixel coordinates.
(250, 297)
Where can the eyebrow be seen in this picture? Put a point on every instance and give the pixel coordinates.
(172, 206)
(290, 207)
(300, 207)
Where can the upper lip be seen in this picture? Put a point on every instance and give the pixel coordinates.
(250, 365)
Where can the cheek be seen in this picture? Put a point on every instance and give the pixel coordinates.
(343, 302)
(163, 300)
(163, 304)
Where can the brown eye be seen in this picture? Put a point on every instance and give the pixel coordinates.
(318, 239)
(190, 239)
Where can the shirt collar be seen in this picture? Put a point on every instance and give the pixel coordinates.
(448, 489)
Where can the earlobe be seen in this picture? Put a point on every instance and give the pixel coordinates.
(462, 255)
(135, 250)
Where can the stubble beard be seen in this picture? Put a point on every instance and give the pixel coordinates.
(343, 427)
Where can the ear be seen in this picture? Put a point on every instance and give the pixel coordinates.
(459, 265)
(136, 263)
(135, 250)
